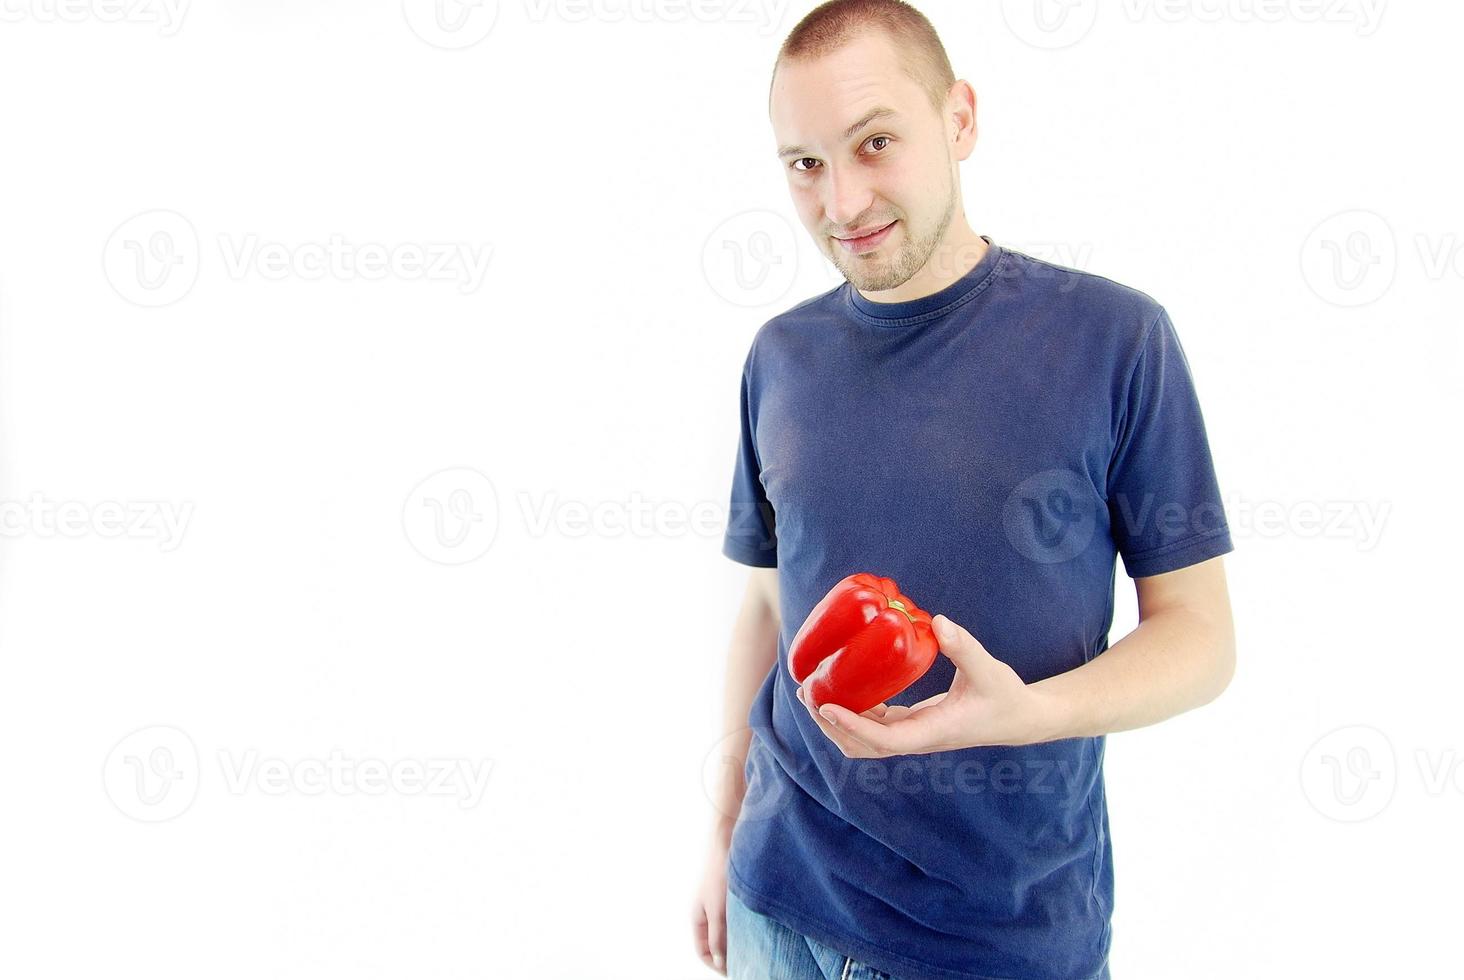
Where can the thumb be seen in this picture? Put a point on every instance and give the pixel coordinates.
(957, 643)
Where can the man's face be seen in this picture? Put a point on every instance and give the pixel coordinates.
(893, 175)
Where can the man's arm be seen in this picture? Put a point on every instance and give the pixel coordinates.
(1179, 657)
(752, 653)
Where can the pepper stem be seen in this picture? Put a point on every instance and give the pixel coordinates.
(897, 604)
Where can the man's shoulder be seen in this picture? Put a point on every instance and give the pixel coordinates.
(1082, 291)
(799, 322)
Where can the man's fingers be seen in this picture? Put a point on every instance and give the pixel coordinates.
(709, 933)
(971, 658)
(848, 744)
(877, 712)
(914, 731)
(699, 931)
(717, 940)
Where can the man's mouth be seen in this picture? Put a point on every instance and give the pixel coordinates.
(866, 240)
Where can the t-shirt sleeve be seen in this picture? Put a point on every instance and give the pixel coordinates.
(1164, 500)
(751, 536)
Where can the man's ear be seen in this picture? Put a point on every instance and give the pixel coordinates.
(963, 117)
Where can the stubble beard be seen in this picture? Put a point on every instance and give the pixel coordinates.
(874, 275)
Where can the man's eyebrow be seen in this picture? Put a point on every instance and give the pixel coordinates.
(878, 112)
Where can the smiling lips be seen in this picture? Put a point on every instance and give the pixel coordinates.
(866, 243)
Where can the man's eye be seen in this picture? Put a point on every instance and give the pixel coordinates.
(881, 140)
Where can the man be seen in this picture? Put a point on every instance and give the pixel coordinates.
(992, 432)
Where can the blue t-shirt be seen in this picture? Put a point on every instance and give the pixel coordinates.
(992, 447)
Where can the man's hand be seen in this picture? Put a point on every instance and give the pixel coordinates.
(709, 909)
(988, 704)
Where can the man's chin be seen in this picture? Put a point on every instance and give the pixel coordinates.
(859, 272)
(873, 280)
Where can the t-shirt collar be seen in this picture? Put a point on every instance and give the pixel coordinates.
(927, 307)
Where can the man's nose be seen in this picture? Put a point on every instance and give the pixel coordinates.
(848, 197)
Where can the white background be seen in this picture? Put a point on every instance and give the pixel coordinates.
(1282, 176)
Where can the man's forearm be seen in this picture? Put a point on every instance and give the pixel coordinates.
(1174, 660)
(751, 654)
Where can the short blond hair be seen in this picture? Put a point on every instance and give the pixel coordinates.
(831, 25)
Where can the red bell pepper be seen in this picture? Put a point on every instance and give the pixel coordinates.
(864, 642)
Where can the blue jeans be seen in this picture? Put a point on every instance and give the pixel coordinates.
(760, 948)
